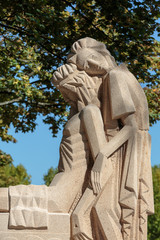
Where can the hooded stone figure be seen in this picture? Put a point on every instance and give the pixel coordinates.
(104, 178)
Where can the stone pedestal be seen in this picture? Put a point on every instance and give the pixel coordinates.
(58, 224)
(58, 229)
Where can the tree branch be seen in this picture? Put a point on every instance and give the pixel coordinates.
(88, 20)
(11, 101)
(9, 91)
(20, 98)
(13, 28)
(18, 29)
(46, 104)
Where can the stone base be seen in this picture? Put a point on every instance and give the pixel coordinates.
(58, 229)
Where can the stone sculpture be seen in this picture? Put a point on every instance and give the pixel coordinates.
(104, 181)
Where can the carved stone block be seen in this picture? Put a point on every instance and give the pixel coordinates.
(28, 206)
(58, 229)
(4, 203)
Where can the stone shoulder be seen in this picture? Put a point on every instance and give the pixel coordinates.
(90, 109)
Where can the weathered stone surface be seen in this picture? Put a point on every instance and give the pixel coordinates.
(28, 206)
(4, 203)
(112, 111)
(58, 229)
(104, 183)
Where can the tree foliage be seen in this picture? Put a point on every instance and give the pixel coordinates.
(154, 220)
(36, 35)
(11, 175)
(50, 175)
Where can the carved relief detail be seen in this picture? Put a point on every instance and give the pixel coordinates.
(28, 207)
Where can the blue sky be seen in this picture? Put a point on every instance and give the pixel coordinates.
(37, 151)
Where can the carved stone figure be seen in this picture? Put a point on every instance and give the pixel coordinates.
(106, 140)
(104, 183)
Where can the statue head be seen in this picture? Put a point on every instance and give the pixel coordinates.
(91, 56)
(76, 86)
(79, 80)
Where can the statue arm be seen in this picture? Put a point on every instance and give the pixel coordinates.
(122, 107)
(101, 149)
(94, 128)
(129, 129)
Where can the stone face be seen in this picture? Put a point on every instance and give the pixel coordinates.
(104, 183)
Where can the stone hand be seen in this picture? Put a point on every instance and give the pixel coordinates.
(97, 172)
(101, 171)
